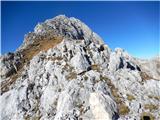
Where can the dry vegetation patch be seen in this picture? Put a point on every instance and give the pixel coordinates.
(122, 107)
(95, 67)
(145, 76)
(71, 76)
(28, 53)
(39, 45)
(130, 97)
(154, 97)
(55, 58)
(151, 107)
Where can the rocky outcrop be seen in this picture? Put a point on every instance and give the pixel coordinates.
(67, 72)
(9, 64)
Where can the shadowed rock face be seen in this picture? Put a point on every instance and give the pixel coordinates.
(63, 70)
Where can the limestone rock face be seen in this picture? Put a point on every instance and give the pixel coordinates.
(69, 27)
(80, 63)
(64, 71)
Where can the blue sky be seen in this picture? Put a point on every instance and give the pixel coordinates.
(133, 26)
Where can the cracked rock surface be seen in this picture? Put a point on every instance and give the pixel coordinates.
(64, 71)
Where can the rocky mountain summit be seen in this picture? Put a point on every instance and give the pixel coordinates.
(64, 71)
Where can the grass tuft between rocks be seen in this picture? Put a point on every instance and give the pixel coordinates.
(123, 109)
(130, 97)
(151, 107)
(154, 97)
(95, 67)
(71, 76)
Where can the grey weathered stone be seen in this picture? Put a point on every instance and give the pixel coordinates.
(79, 78)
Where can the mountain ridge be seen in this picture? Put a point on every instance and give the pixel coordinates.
(63, 70)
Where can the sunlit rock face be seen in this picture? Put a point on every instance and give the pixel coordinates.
(64, 71)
